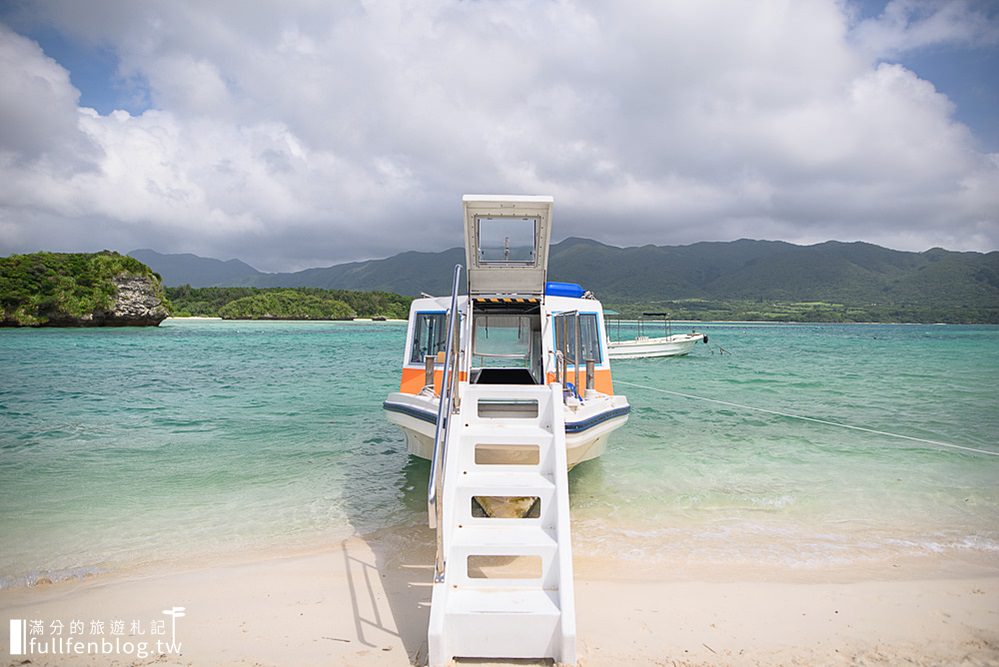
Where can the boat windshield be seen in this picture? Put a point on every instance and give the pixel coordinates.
(502, 341)
(506, 240)
(589, 340)
(429, 336)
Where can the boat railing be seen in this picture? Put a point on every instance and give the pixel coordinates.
(665, 317)
(449, 403)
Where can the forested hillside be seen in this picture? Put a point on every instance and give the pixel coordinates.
(737, 279)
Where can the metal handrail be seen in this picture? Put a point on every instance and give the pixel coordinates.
(448, 403)
(575, 355)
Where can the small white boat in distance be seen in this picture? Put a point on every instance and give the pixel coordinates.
(642, 346)
(665, 346)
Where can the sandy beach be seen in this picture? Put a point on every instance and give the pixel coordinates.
(365, 602)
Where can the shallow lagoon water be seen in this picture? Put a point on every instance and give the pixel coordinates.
(124, 448)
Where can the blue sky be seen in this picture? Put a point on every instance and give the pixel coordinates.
(92, 70)
(296, 134)
(970, 78)
(967, 73)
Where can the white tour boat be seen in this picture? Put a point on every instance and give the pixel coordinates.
(512, 331)
(504, 388)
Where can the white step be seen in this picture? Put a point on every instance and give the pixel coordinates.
(520, 433)
(509, 536)
(503, 623)
(531, 542)
(522, 608)
(514, 603)
(517, 392)
(488, 483)
(520, 441)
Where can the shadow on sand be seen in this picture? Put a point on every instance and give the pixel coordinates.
(389, 570)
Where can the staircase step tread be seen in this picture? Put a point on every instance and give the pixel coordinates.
(532, 536)
(528, 479)
(511, 391)
(509, 490)
(533, 602)
(493, 432)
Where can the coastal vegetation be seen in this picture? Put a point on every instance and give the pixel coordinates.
(304, 303)
(286, 305)
(82, 289)
(809, 311)
(745, 279)
(79, 289)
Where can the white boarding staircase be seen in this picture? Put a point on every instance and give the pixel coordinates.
(506, 586)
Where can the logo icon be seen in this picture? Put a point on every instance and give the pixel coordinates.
(174, 613)
(18, 636)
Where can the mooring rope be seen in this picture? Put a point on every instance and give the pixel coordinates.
(809, 419)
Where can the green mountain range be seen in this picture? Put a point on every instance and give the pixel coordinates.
(188, 269)
(709, 279)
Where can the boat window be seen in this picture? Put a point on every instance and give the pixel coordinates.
(589, 338)
(429, 336)
(502, 340)
(506, 240)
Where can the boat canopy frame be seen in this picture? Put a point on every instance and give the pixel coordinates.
(666, 318)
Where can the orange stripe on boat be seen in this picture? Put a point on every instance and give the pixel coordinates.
(601, 379)
(414, 379)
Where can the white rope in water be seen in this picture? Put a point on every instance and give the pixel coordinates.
(809, 419)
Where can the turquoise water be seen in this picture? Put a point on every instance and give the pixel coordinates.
(201, 439)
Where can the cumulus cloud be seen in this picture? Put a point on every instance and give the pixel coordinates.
(38, 105)
(906, 25)
(302, 134)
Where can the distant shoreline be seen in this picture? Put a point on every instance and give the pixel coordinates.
(273, 319)
(651, 323)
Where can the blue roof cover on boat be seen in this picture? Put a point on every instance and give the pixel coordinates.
(571, 290)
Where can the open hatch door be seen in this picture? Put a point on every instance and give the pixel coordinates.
(506, 243)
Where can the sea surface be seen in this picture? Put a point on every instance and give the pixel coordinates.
(207, 440)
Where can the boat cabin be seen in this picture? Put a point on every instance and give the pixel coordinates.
(517, 328)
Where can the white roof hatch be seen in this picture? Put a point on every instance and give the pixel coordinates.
(506, 243)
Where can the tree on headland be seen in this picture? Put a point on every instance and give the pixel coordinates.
(79, 289)
(286, 305)
(209, 301)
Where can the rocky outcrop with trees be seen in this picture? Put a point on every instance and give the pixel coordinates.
(46, 289)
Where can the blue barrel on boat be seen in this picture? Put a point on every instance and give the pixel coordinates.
(571, 290)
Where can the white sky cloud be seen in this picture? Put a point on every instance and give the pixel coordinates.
(905, 25)
(295, 134)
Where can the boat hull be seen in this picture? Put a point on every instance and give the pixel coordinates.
(587, 426)
(667, 346)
